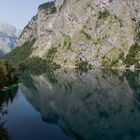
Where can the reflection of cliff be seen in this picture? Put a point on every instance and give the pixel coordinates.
(133, 79)
(95, 105)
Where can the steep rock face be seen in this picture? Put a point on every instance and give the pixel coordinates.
(29, 32)
(46, 17)
(8, 38)
(102, 33)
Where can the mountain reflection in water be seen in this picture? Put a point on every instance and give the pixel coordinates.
(97, 105)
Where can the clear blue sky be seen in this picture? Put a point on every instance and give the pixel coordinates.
(19, 12)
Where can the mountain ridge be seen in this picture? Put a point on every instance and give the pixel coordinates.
(8, 37)
(88, 33)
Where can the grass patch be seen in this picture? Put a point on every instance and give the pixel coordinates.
(113, 18)
(110, 63)
(133, 55)
(99, 41)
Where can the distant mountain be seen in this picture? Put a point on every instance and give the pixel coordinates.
(8, 37)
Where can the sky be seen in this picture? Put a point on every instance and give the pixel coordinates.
(19, 12)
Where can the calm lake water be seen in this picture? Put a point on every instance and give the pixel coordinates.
(71, 105)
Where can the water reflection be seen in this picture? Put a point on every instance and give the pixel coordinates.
(95, 105)
(6, 96)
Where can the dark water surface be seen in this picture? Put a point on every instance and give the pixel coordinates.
(69, 105)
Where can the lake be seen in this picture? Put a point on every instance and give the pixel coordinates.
(70, 105)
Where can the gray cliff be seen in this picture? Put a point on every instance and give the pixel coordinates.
(100, 33)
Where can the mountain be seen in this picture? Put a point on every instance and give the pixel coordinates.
(84, 33)
(8, 38)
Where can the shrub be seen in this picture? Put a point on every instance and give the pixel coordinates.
(103, 15)
(51, 54)
(133, 55)
(82, 65)
(33, 63)
(8, 74)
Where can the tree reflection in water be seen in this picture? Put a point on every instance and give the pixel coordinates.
(6, 96)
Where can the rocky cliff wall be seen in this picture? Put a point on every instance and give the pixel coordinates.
(99, 33)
